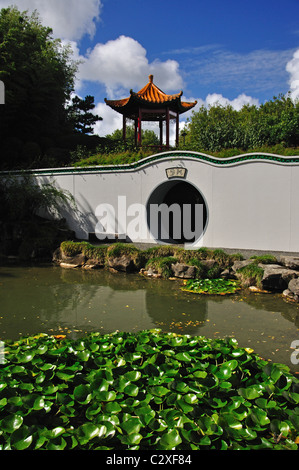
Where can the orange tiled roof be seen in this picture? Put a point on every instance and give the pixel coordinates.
(150, 95)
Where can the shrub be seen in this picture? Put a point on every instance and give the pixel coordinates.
(162, 265)
(251, 274)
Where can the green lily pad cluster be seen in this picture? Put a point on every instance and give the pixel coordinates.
(148, 390)
(212, 286)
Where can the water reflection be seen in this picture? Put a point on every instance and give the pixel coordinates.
(74, 302)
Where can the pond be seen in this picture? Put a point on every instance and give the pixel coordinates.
(49, 299)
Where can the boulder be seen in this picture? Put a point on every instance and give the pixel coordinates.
(76, 261)
(183, 271)
(289, 295)
(123, 263)
(93, 264)
(294, 286)
(277, 277)
(291, 262)
(240, 264)
(150, 272)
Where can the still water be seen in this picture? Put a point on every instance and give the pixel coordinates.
(48, 299)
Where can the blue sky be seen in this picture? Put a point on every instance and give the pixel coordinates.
(232, 51)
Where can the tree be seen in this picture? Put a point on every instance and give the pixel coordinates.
(79, 114)
(38, 74)
(276, 122)
(149, 137)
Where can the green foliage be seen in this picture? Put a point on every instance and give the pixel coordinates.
(211, 286)
(79, 114)
(38, 74)
(98, 253)
(251, 274)
(148, 137)
(223, 129)
(147, 391)
(22, 199)
(264, 259)
(162, 265)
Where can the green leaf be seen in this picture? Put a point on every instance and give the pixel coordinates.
(251, 392)
(131, 390)
(132, 375)
(11, 423)
(82, 394)
(183, 357)
(89, 431)
(132, 425)
(159, 390)
(106, 396)
(171, 439)
(131, 439)
(21, 439)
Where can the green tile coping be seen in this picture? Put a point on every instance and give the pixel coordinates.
(175, 155)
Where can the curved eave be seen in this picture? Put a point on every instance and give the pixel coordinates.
(130, 106)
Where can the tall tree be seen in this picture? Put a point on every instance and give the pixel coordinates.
(80, 115)
(38, 74)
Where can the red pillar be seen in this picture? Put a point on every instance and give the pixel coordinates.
(136, 132)
(139, 127)
(167, 127)
(177, 137)
(124, 128)
(161, 132)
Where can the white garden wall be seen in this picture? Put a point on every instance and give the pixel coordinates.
(252, 200)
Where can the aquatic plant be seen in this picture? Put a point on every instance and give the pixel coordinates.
(211, 286)
(147, 390)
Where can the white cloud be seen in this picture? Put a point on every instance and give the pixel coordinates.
(237, 103)
(293, 68)
(111, 120)
(122, 64)
(69, 19)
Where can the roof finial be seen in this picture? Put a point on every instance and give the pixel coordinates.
(151, 78)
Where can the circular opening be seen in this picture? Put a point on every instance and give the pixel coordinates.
(176, 213)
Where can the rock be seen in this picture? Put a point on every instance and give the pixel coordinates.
(240, 264)
(226, 274)
(93, 264)
(208, 263)
(289, 295)
(276, 277)
(57, 256)
(293, 286)
(73, 261)
(183, 271)
(123, 263)
(150, 273)
(291, 262)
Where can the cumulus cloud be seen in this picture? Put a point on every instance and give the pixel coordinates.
(122, 63)
(292, 68)
(69, 19)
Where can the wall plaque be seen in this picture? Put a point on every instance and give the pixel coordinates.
(176, 172)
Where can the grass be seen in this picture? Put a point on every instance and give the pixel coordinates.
(132, 156)
(251, 275)
(160, 259)
(162, 265)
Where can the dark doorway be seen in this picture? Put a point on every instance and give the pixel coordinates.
(186, 222)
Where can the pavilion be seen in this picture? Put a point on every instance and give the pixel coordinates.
(151, 104)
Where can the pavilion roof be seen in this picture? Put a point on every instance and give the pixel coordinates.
(150, 98)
